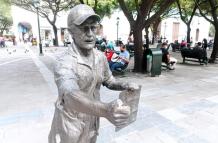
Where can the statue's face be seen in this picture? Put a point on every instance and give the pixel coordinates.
(84, 35)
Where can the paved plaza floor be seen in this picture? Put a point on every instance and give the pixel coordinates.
(179, 106)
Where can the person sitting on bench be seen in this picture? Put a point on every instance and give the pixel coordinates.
(120, 62)
(166, 58)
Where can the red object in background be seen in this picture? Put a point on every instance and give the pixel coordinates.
(109, 53)
(183, 44)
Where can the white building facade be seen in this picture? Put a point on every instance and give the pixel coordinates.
(175, 29)
(25, 26)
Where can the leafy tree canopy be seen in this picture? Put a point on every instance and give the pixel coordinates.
(207, 9)
(5, 9)
(5, 16)
(101, 7)
(186, 8)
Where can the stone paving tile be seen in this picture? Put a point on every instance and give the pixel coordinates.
(172, 129)
(166, 102)
(172, 114)
(146, 119)
(155, 135)
(174, 108)
(213, 111)
(198, 122)
(192, 139)
(34, 129)
(213, 98)
(107, 130)
(132, 137)
(28, 132)
(209, 134)
(106, 134)
(192, 107)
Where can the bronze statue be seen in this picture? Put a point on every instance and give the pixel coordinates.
(79, 74)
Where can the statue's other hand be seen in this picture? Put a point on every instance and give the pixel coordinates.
(118, 114)
(132, 86)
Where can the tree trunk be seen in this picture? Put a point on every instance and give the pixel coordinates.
(188, 33)
(155, 30)
(56, 35)
(137, 34)
(3, 29)
(215, 47)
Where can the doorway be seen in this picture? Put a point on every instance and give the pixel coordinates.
(175, 34)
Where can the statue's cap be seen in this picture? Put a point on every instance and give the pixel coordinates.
(80, 13)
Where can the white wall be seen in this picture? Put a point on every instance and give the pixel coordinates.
(198, 22)
(110, 26)
(22, 15)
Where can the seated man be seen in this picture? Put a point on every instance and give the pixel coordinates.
(109, 53)
(183, 44)
(198, 45)
(169, 61)
(200, 52)
(120, 61)
(175, 46)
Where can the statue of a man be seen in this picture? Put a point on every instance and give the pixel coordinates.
(79, 74)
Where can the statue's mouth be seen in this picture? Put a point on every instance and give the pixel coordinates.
(89, 41)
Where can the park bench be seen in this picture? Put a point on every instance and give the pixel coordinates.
(175, 46)
(194, 55)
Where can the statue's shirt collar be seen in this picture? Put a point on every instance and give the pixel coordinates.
(80, 60)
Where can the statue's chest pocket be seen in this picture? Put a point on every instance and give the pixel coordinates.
(85, 76)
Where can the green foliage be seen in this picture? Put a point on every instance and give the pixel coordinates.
(156, 6)
(212, 31)
(207, 9)
(5, 8)
(187, 8)
(5, 16)
(102, 7)
(46, 7)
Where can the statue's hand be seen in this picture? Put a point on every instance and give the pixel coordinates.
(117, 113)
(132, 86)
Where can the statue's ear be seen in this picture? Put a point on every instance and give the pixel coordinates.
(70, 31)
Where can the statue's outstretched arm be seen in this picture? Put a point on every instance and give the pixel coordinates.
(73, 99)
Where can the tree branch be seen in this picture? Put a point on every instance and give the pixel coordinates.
(126, 12)
(145, 7)
(180, 12)
(202, 14)
(163, 7)
(95, 5)
(81, 1)
(137, 7)
(192, 14)
(214, 10)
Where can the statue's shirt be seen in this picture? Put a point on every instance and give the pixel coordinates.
(74, 76)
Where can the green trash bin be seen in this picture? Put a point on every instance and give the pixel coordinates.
(156, 61)
(149, 63)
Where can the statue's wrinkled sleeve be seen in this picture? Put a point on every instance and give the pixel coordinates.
(108, 77)
(72, 97)
(65, 77)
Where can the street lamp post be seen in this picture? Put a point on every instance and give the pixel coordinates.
(36, 5)
(118, 19)
(165, 26)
